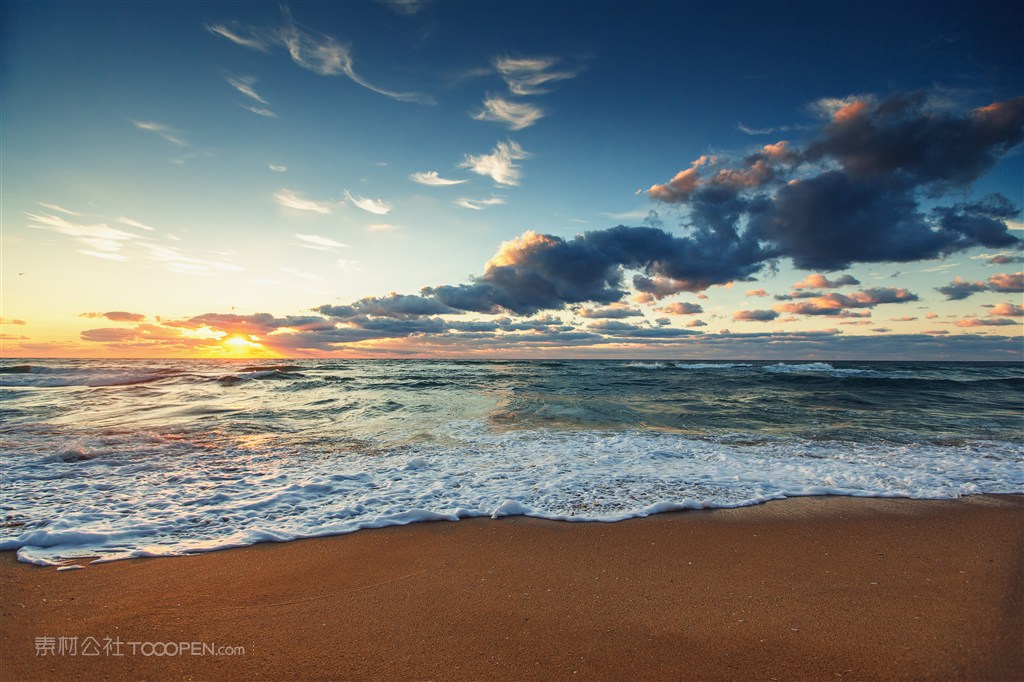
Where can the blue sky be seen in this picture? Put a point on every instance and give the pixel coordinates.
(177, 176)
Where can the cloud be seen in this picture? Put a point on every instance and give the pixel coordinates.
(375, 206)
(117, 316)
(1012, 283)
(102, 240)
(817, 281)
(318, 243)
(260, 111)
(681, 308)
(163, 131)
(1007, 310)
(979, 322)
(291, 199)
(960, 288)
(834, 304)
(538, 271)
(5, 320)
(134, 223)
(277, 168)
(244, 86)
(755, 315)
(382, 227)
(394, 305)
(615, 311)
(176, 261)
(853, 193)
(514, 115)
(499, 165)
(432, 179)
(756, 292)
(311, 50)
(526, 76)
(479, 204)
(251, 41)
(59, 209)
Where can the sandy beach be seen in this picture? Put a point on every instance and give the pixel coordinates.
(807, 588)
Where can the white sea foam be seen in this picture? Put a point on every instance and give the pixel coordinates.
(156, 499)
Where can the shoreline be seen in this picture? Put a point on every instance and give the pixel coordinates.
(807, 587)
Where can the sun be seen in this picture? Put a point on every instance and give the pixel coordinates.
(238, 345)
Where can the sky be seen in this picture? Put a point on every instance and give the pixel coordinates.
(806, 180)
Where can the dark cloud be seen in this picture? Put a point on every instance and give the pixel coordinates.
(960, 288)
(853, 194)
(392, 305)
(904, 139)
(755, 315)
(537, 272)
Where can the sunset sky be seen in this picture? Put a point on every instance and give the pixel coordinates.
(393, 179)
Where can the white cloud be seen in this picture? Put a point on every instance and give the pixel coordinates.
(382, 227)
(134, 223)
(371, 205)
(515, 115)
(260, 110)
(431, 178)
(291, 199)
(327, 57)
(99, 238)
(1014, 225)
(244, 86)
(55, 207)
(498, 165)
(479, 204)
(176, 261)
(318, 243)
(163, 131)
(253, 42)
(276, 168)
(525, 76)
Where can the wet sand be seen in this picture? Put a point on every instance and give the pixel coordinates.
(808, 588)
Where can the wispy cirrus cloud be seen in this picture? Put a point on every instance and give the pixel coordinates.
(277, 168)
(134, 223)
(499, 165)
(479, 204)
(514, 115)
(375, 206)
(240, 36)
(314, 51)
(244, 85)
(432, 179)
(101, 240)
(166, 132)
(59, 209)
(318, 243)
(292, 199)
(527, 76)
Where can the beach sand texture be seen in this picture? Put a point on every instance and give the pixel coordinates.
(806, 588)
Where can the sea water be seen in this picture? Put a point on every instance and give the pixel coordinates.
(116, 459)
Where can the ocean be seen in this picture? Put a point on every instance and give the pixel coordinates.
(113, 459)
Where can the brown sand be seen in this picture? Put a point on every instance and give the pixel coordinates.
(813, 588)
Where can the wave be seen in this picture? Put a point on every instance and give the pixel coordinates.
(54, 514)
